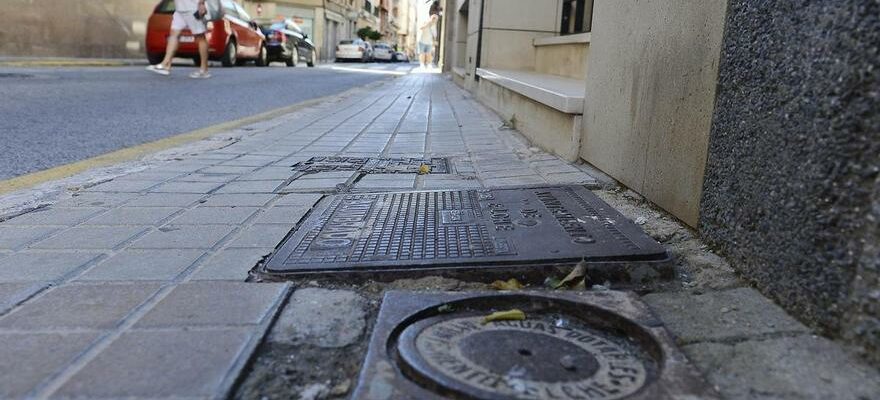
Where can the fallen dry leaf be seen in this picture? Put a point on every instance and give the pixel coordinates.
(510, 284)
(579, 272)
(509, 315)
(424, 169)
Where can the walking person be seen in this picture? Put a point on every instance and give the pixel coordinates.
(188, 14)
(426, 42)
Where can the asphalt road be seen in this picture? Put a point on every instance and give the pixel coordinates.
(51, 117)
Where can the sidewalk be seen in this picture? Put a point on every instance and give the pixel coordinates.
(136, 287)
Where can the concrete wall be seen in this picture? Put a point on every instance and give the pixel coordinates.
(568, 60)
(80, 28)
(791, 191)
(509, 28)
(649, 97)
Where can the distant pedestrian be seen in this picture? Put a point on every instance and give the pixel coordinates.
(426, 42)
(188, 14)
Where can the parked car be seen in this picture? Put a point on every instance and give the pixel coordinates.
(354, 50)
(233, 40)
(400, 56)
(383, 52)
(285, 41)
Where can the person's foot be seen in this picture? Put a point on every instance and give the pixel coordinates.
(159, 69)
(200, 75)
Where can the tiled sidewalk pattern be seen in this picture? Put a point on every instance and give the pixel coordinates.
(135, 287)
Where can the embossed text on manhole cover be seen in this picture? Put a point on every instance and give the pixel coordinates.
(464, 231)
(569, 346)
(371, 165)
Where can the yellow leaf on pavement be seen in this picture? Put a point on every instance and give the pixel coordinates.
(510, 284)
(424, 169)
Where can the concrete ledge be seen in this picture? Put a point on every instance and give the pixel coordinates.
(561, 93)
(458, 71)
(580, 38)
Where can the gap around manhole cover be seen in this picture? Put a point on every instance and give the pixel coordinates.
(458, 232)
(372, 165)
(604, 345)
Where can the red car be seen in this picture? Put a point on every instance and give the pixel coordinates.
(233, 40)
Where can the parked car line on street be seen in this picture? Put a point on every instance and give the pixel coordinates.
(354, 50)
(286, 42)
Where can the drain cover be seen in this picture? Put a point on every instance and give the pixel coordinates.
(371, 165)
(589, 346)
(467, 230)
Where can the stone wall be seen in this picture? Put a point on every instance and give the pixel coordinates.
(74, 28)
(791, 188)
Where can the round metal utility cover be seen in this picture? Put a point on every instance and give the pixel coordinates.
(544, 356)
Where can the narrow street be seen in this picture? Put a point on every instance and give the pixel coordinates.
(103, 109)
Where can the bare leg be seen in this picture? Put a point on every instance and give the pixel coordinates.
(203, 52)
(171, 49)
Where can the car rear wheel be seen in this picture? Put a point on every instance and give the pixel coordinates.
(230, 56)
(263, 57)
(294, 57)
(313, 59)
(154, 59)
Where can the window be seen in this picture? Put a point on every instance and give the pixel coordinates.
(368, 7)
(577, 16)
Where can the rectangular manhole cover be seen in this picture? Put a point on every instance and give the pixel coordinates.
(366, 165)
(464, 231)
(600, 345)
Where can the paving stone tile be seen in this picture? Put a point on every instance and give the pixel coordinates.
(91, 237)
(186, 187)
(85, 306)
(200, 177)
(728, 314)
(41, 266)
(227, 169)
(389, 181)
(55, 216)
(124, 186)
(161, 364)
(133, 216)
(321, 317)
(251, 187)
(214, 303)
(298, 200)
(288, 216)
(11, 294)
(231, 264)
(261, 235)
(26, 359)
(215, 215)
(238, 200)
(148, 175)
(15, 237)
(136, 265)
(268, 174)
(95, 199)
(183, 237)
(516, 181)
(800, 367)
(435, 182)
(572, 177)
(164, 200)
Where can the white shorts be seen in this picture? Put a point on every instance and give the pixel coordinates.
(184, 20)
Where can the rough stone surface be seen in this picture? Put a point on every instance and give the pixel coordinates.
(792, 169)
(45, 353)
(214, 303)
(321, 317)
(724, 315)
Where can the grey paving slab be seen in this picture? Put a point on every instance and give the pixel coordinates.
(85, 306)
(91, 237)
(214, 303)
(95, 199)
(251, 187)
(261, 235)
(387, 181)
(313, 185)
(287, 216)
(215, 215)
(228, 169)
(55, 216)
(148, 175)
(208, 177)
(161, 364)
(238, 200)
(183, 237)
(164, 200)
(133, 216)
(14, 293)
(437, 182)
(516, 181)
(297, 200)
(570, 177)
(729, 314)
(321, 317)
(267, 174)
(186, 187)
(138, 265)
(15, 237)
(124, 186)
(26, 359)
(230, 264)
(43, 266)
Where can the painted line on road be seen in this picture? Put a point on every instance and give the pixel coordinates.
(135, 152)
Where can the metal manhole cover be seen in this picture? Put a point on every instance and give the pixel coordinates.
(462, 231)
(589, 346)
(371, 165)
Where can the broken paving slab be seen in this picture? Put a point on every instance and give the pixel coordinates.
(596, 345)
(522, 232)
(372, 165)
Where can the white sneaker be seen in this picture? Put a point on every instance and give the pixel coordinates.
(200, 75)
(159, 69)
